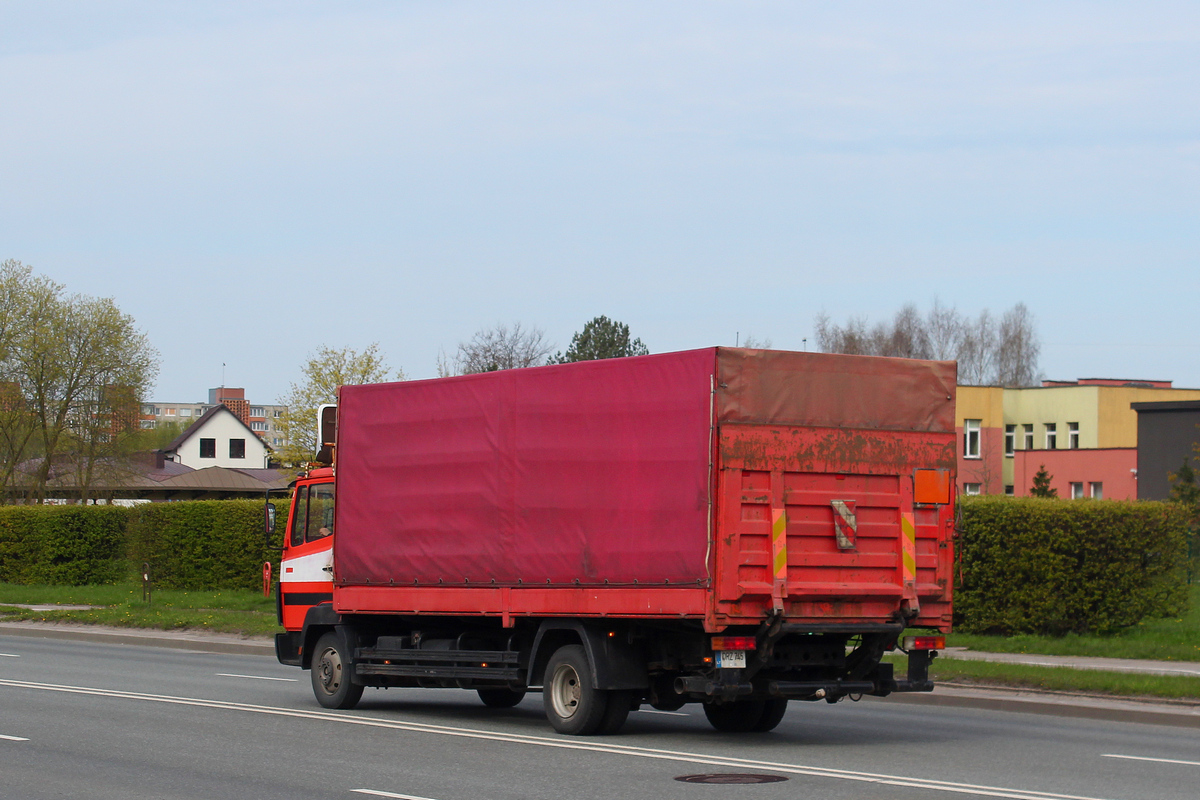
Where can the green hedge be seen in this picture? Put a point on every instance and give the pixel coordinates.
(201, 544)
(1068, 566)
(71, 545)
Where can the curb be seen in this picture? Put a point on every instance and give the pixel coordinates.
(197, 643)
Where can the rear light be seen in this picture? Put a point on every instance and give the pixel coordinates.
(924, 642)
(734, 643)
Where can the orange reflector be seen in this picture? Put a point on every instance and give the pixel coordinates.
(924, 642)
(931, 486)
(734, 643)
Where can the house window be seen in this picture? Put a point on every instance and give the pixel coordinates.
(170, 412)
(971, 438)
(1073, 435)
(1028, 429)
(237, 448)
(148, 410)
(258, 426)
(147, 423)
(1010, 440)
(1051, 436)
(185, 412)
(972, 488)
(257, 411)
(278, 413)
(1077, 491)
(208, 448)
(1009, 489)
(1097, 488)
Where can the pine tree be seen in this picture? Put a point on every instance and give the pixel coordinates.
(1041, 484)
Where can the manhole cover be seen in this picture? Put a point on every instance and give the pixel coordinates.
(731, 777)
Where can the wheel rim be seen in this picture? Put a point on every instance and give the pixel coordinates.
(565, 691)
(329, 670)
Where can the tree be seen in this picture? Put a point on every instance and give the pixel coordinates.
(74, 370)
(1041, 484)
(987, 353)
(323, 373)
(1184, 489)
(600, 338)
(501, 347)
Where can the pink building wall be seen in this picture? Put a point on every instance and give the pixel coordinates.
(1115, 467)
(987, 470)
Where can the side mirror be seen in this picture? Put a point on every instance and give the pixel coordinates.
(269, 522)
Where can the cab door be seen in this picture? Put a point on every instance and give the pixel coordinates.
(306, 574)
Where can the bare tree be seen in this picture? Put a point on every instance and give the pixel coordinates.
(987, 352)
(502, 347)
(1017, 354)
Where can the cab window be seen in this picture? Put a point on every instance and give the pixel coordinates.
(320, 511)
(300, 517)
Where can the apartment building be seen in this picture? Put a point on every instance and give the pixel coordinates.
(1084, 432)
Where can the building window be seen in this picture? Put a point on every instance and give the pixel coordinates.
(1097, 488)
(185, 412)
(148, 423)
(208, 448)
(1010, 440)
(257, 411)
(170, 412)
(1051, 436)
(1073, 435)
(1077, 491)
(148, 410)
(258, 426)
(971, 438)
(1009, 489)
(237, 448)
(972, 488)
(1028, 429)
(278, 413)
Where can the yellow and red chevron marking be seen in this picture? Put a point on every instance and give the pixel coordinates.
(779, 555)
(908, 554)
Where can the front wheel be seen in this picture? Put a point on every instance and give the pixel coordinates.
(573, 705)
(330, 675)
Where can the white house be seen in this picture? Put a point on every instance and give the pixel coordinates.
(218, 439)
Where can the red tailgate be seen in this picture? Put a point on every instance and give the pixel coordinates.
(822, 524)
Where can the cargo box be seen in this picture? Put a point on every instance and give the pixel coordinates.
(722, 485)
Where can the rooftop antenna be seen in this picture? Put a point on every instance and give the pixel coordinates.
(737, 337)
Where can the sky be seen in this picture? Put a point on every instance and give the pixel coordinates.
(253, 181)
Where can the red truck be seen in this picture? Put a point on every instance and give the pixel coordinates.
(737, 528)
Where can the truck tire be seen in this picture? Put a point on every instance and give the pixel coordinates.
(330, 680)
(573, 705)
(501, 698)
(740, 716)
(772, 714)
(620, 703)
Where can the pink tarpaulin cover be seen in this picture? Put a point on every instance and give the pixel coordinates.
(589, 472)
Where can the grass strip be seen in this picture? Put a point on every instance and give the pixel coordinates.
(1060, 679)
(228, 611)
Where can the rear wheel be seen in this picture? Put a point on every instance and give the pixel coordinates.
(330, 675)
(501, 698)
(740, 716)
(573, 705)
(620, 703)
(772, 714)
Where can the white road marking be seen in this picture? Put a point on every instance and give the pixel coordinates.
(255, 677)
(389, 794)
(668, 713)
(9, 655)
(1159, 760)
(628, 751)
(13, 738)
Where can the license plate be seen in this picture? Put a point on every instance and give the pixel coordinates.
(731, 659)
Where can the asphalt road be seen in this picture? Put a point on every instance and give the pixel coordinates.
(97, 721)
